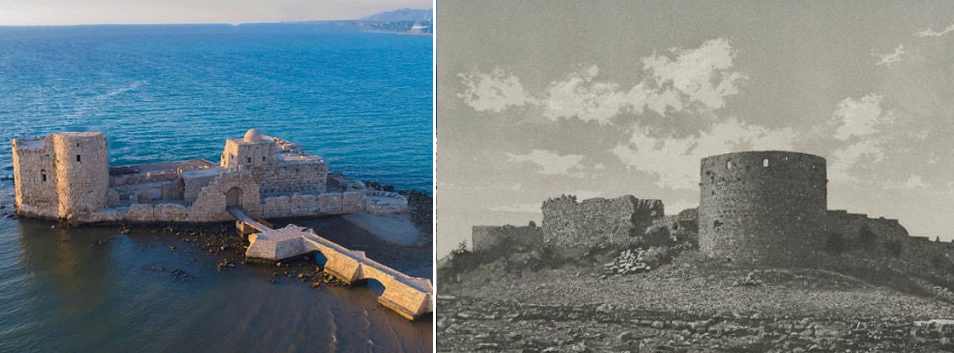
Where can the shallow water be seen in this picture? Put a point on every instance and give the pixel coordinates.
(362, 101)
(90, 289)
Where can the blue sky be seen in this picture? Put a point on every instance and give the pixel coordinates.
(71, 12)
(611, 98)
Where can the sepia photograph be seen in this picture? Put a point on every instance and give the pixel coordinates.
(216, 176)
(694, 176)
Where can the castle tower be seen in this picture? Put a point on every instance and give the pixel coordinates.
(253, 150)
(762, 206)
(82, 172)
(34, 175)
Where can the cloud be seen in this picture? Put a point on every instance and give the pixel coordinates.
(675, 161)
(701, 74)
(495, 91)
(845, 159)
(550, 163)
(859, 117)
(858, 125)
(931, 33)
(682, 78)
(892, 58)
(578, 96)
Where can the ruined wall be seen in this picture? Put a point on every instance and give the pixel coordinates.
(305, 205)
(250, 151)
(851, 225)
(486, 238)
(762, 206)
(282, 178)
(34, 175)
(384, 202)
(568, 223)
(82, 170)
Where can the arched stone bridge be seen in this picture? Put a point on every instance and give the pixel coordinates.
(412, 297)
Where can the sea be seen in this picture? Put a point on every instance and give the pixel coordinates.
(363, 101)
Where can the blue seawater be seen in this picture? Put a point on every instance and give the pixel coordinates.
(160, 93)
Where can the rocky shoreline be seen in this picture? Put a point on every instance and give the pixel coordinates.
(467, 324)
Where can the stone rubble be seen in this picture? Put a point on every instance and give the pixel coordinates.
(628, 262)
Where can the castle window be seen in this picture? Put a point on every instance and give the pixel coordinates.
(43, 175)
(728, 164)
(765, 163)
(716, 224)
(263, 158)
(78, 158)
(250, 159)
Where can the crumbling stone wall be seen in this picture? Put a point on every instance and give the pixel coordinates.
(486, 238)
(34, 175)
(568, 223)
(852, 227)
(762, 206)
(67, 176)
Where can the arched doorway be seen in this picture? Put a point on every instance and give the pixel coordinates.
(233, 198)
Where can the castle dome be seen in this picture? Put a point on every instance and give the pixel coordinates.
(253, 136)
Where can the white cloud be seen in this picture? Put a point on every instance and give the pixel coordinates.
(845, 159)
(702, 74)
(858, 124)
(578, 96)
(495, 91)
(550, 163)
(700, 77)
(859, 117)
(675, 162)
(892, 58)
(931, 33)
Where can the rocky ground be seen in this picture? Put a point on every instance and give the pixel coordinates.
(468, 324)
(691, 304)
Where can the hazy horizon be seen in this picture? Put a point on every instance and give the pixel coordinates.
(18, 13)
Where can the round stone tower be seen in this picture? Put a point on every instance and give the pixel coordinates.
(82, 172)
(762, 206)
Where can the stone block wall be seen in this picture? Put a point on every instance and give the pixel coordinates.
(34, 175)
(304, 178)
(487, 238)
(249, 153)
(850, 226)
(568, 223)
(384, 202)
(762, 206)
(82, 172)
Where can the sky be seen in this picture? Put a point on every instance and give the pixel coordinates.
(71, 12)
(601, 99)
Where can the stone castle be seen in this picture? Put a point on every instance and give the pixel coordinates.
(755, 206)
(67, 176)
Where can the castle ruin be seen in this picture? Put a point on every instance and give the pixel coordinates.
(758, 206)
(67, 176)
(568, 223)
(765, 206)
(488, 238)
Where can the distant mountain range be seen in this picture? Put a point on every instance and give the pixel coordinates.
(400, 15)
(402, 21)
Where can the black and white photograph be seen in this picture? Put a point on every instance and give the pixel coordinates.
(694, 176)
